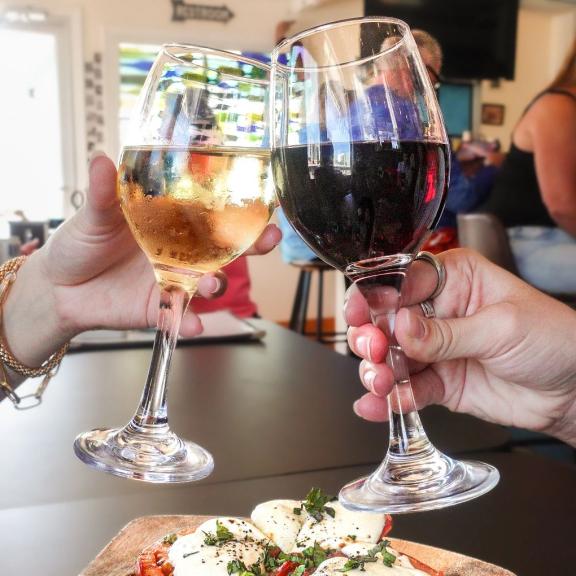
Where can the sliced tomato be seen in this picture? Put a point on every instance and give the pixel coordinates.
(146, 561)
(387, 527)
(161, 555)
(151, 571)
(423, 567)
(286, 568)
(153, 561)
(336, 554)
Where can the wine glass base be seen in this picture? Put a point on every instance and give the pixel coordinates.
(165, 460)
(466, 480)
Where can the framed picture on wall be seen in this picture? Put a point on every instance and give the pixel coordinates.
(493, 114)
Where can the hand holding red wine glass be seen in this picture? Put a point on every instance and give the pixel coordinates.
(361, 165)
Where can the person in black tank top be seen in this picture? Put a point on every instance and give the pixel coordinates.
(516, 197)
(535, 191)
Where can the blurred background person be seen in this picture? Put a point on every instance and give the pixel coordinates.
(473, 168)
(535, 191)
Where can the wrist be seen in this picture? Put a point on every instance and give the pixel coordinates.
(565, 429)
(32, 327)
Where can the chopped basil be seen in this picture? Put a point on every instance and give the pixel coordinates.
(235, 566)
(189, 554)
(358, 561)
(238, 567)
(315, 504)
(352, 537)
(299, 570)
(388, 558)
(170, 539)
(313, 556)
(222, 535)
(382, 548)
(272, 558)
(210, 539)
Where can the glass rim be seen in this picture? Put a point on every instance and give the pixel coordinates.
(275, 65)
(170, 48)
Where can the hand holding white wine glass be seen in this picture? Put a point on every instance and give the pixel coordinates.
(360, 160)
(193, 185)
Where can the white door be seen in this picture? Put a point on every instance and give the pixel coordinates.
(36, 121)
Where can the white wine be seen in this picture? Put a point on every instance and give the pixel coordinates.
(195, 209)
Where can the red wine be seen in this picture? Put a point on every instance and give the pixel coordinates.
(360, 200)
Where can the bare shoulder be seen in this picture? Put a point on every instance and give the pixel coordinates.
(555, 105)
(552, 114)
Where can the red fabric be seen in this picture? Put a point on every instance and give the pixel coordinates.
(236, 299)
(441, 240)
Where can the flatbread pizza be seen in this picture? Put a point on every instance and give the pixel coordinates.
(284, 538)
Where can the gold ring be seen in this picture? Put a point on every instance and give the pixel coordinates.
(440, 271)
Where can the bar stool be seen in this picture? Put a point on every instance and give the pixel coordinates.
(300, 305)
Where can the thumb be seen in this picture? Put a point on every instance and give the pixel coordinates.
(101, 207)
(430, 340)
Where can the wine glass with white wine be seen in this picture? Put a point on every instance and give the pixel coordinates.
(194, 187)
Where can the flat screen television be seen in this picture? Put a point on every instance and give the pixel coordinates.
(478, 37)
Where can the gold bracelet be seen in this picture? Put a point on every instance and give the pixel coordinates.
(47, 369)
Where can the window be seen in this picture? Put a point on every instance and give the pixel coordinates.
(137, 59)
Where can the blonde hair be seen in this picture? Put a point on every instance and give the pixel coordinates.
(430, 50)
(567, 76)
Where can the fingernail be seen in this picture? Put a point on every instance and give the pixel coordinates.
(355, 408)
(369, 378)
(272, 231)
(214, 285)
(416, 327)
(363, 347)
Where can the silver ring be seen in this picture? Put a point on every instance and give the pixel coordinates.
(440, 271)
(428, 309)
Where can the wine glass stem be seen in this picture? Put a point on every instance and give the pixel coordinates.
(382, 291)
(407, 434)
(152, 412)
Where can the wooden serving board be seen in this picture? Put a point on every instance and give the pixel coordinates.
(118, 557)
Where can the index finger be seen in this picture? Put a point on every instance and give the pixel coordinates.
(266, 242)
(356, 311)
(420, 283)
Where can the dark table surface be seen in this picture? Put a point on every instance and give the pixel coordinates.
(526, 524)
(277, 417)
(277, 407)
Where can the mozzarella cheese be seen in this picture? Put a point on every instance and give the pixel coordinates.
(190, 556)
(346, 527)
(275, 523)
(276, 519)
(401, 567)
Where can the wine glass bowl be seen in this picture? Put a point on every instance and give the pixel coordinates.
(360, 159)
(194, 187)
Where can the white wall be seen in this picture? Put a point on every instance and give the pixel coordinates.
(251, 28)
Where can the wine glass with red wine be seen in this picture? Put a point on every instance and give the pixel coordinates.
(194, 187)
(360, 160)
